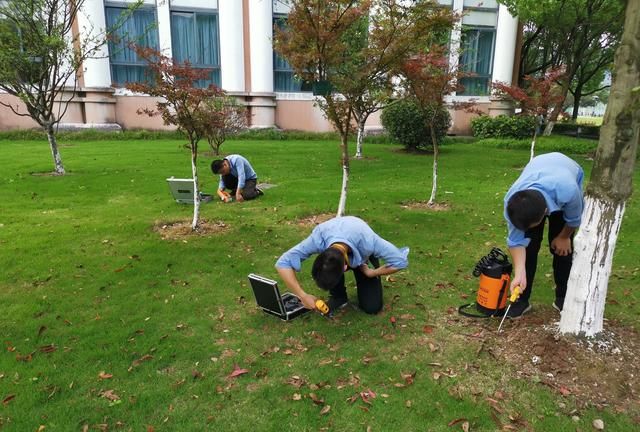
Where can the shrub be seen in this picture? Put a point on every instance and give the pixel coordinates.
(502, 126)
(553, 143)
(406, 124)
(577, 130)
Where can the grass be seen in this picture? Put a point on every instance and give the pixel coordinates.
(170, 320)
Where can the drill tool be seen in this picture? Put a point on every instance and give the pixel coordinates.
(514, 296)
(322, 307)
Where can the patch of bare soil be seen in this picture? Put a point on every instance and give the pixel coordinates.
(181, 230)
(423, 205)
(600, 372)
(313, 220)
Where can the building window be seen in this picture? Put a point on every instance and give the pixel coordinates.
(194, 38)
(140, 28)
(477, 59)
(284, 79)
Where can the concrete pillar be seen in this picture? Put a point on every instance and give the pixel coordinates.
(92, 23)
(231, 45)
(164, 27)
(506, 35)
(504, 54)
(262, 97)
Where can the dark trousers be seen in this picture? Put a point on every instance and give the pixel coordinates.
(369, 289)
(561, 264)
(249, 190)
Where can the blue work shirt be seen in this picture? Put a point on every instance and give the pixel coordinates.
(240, 168)
(559, 179)
(353, 232)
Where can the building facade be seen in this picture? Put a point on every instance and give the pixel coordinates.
(234, 38)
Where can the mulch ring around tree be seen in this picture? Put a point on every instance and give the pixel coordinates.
(181, 230)
(423, 205)
(313, 220)
(596, 372)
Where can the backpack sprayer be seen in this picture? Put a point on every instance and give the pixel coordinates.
(494, 270)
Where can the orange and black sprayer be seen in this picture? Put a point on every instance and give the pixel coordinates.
(494, 270)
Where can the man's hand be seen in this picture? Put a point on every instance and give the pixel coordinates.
(561, 246)
(368, 271)
(519, 280)
(239, 197)
(308, 301)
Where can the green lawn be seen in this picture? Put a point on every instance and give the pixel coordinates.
(83, 270)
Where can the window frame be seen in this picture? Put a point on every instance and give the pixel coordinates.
(141, 64)
(303, 84)
(215, 70)
(489, 74)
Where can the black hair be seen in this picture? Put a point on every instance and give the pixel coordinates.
(216, 166)
(525, 208)
(328, 268)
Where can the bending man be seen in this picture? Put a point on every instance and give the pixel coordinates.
(343, 243)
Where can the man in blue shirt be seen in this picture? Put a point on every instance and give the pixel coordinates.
(550, 187)
(343, 243)
(237, 174)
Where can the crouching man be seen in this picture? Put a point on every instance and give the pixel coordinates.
(236, 174)
(343, 243)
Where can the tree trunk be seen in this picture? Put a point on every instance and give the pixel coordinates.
(555, 113)
(434, 183)
(533, 143)
(196, 192)
(345, 175)
(608, 190)
(360, 138)
(53, 144)
(576, 103)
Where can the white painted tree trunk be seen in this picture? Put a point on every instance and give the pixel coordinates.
(53, 145)
(360, 139)
(533, 146)
(196, 192)
(434, 183)
(595, 242)
(343, 191)
(342, 204)
(609, 188)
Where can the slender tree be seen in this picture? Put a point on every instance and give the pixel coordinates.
(348, 48)
(182, 104)
(537, 98)
(608, 190)
(428, 78)
(41, 56)
(225, 118)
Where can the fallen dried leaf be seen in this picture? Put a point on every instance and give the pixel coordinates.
(237, 371)
(408, 378)
(41, 330)
(103, 375)
(110, 395)
(297, 396)
(316, 400)
(465, 426)
(48, 348)
(8, 399)
(325, 409)
(427, 329)
(456, 421)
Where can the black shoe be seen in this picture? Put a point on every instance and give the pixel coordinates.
(557, 304)
(518, 309)
(336, 303)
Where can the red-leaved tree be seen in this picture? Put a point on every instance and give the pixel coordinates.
(350, 49)
(191, 109)
(538, 98)
(429, 78)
